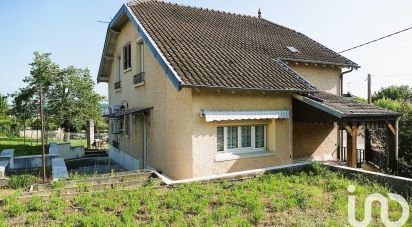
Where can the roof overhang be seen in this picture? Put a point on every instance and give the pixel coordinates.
(124, 15)
(341, 116)
(244, 115)
(133, 110)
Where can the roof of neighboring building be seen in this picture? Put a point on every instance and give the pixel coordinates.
(345, 107)
(207, 48)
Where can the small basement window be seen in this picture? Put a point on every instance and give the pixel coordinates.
(127, 56)
(241, 139)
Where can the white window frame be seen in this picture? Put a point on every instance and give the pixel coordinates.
(239, 148)
(127, 57)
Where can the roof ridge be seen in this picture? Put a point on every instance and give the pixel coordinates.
(135, 2)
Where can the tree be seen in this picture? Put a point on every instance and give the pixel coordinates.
(398, 98)
(72, 100)
(69, 96)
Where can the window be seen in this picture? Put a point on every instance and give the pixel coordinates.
(246, 136)
(238, 139)
(127, 56)
(232, 137)
(260, 136)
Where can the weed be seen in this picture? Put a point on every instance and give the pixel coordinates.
(36, 204)
(33, 218)
(13, 207)
(21, 181)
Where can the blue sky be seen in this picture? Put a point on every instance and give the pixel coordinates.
(68, 29)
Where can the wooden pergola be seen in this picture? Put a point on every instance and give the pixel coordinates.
(353, 117)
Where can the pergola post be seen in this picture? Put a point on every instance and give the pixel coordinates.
(391, 142)
(351, 144)
(368, 146)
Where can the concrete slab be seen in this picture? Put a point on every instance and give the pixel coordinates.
(59, 169)
(8, 154)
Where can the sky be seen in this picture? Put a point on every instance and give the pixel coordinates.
(69, 30)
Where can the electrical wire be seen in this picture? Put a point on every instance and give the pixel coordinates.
(375, 40)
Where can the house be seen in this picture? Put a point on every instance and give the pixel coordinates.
(196, 92)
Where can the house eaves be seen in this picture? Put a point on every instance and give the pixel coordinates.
(113, 31)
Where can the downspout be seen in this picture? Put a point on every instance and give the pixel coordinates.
(340, 134)
(144, 141)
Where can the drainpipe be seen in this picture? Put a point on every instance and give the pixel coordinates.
(341, 79)
(340, 134)
(144, 141)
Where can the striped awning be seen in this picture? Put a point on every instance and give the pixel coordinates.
(244, 115)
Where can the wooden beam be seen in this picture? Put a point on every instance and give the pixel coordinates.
(390, 127)
(348, 128)
(351, 147)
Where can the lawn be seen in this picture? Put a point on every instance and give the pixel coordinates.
(317, 197)
(31, 146)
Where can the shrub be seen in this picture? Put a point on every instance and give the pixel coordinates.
(21, 181)
(13, 207)
(36, 204)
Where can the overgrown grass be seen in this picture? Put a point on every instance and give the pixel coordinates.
(31, 146)
(316, 197)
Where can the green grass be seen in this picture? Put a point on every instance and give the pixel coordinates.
(31, 146)
(317, 197)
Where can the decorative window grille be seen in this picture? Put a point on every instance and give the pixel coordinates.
(232, 137)
(220, 139)
(138, 78)
(260, 136)
(246, 136)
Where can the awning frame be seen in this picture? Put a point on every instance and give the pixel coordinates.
(227, 115)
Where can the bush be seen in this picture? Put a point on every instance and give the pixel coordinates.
(21, 181)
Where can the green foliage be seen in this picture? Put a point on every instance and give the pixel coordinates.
(283, 199)
(21, 181)
(399, 98)
(393, 93)
(69, 97)
(360, 99)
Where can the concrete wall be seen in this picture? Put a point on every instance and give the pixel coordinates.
(124, 159)
(323, 78)
(204, 133)
(169, 141)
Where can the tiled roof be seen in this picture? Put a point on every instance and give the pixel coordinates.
(348, 106)
(209, 48)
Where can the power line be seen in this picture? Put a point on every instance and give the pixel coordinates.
(375, 40)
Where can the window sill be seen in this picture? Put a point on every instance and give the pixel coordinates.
(139, 84)
(231, 156)
(127, 70)
(118, 90)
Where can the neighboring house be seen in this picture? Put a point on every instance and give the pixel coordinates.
(196, 92)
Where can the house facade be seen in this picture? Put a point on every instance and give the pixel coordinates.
(196, 92)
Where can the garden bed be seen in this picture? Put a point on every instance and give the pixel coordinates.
(315, 197)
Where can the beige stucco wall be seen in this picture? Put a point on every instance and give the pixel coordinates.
(169, 132)
(323, 78)
(204, 133)
(315, 140)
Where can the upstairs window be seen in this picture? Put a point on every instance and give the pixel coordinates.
(127, 56)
